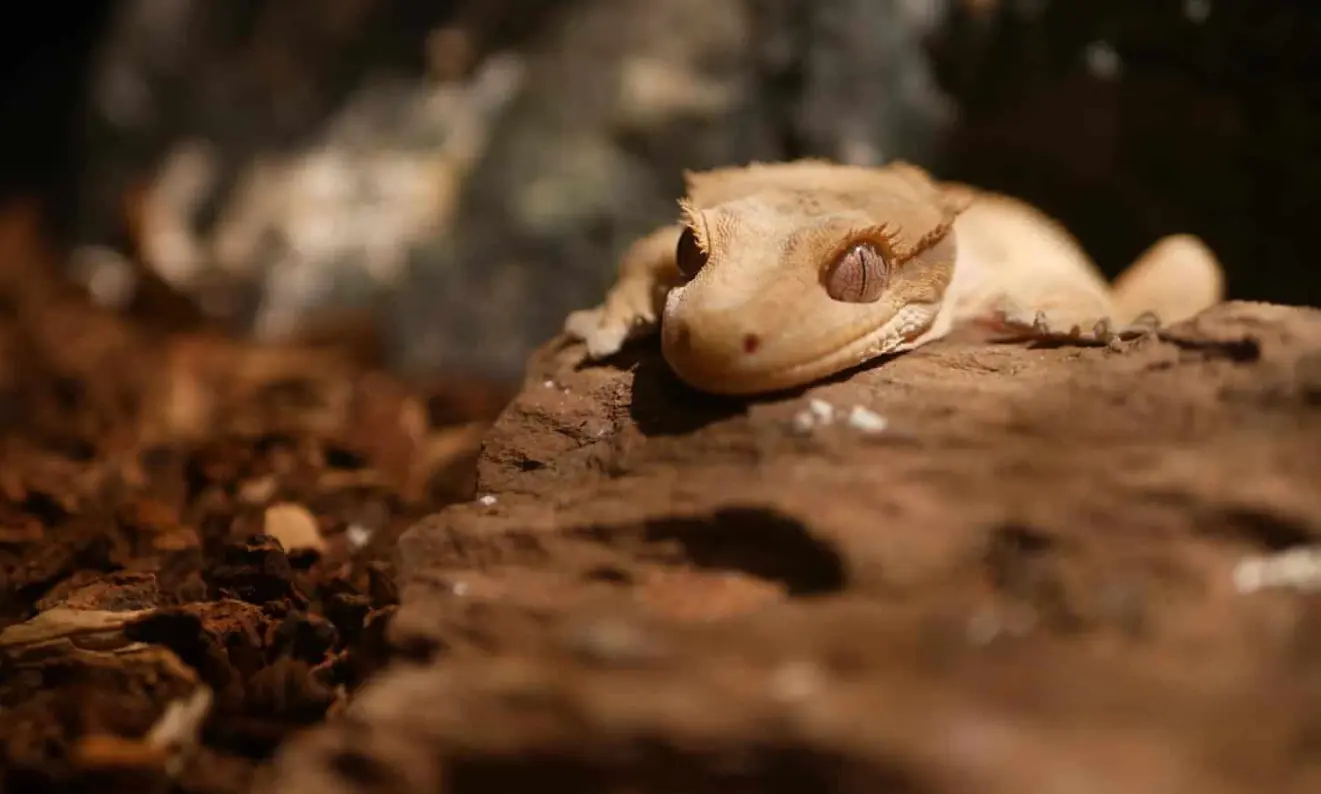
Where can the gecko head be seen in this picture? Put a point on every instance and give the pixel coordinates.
(794, 272)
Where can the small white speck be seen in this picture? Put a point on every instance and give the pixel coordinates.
(795, 681)
(866, 420)
(1297, 569)
(1248, 575)
(487, 500)
(358, 535)
(1197, 11)
(983, 627)
(817, 413)
(549, 384)
(459, 588)
(822, 410)
(1102, 60)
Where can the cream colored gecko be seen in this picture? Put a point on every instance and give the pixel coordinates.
(779, 275)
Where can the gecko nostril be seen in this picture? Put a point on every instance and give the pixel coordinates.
(750, 343)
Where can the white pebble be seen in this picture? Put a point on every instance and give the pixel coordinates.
(817, 413)
(822, 410)
(803, 422)
(1248, 576)
(866, 420)
(1297, 569)
(358, 535)
(486, 500)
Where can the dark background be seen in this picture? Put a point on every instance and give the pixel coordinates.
(44, 60)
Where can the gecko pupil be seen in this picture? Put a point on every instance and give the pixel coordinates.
(688, 255)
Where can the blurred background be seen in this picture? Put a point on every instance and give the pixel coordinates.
(448, 178)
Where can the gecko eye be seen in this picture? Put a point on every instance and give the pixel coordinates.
(688, 255)
(860, 275)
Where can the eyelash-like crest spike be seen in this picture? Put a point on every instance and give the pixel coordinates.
(887, 236)
(894, 244)
(691, 217)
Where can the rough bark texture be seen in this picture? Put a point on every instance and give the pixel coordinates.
(1037, 575)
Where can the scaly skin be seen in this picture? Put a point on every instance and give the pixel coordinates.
(759, 316)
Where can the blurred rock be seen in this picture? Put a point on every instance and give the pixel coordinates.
(472, 206)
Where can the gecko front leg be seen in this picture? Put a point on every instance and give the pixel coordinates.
(632, 307)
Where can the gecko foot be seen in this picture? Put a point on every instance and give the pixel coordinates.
(605, 328)
(594, 328)
(1019, 326)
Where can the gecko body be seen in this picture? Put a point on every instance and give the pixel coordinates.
(778, 275)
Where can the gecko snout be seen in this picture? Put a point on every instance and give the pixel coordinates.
(711, 349)
(717, 342)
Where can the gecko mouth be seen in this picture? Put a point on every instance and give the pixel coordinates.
(746, 368)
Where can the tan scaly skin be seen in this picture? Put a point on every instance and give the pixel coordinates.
(779, 275)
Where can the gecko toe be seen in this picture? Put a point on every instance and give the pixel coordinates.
(1144, 324)
(1040, 325)
(1104, 332)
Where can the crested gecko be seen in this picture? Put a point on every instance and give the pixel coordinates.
(781, 274)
